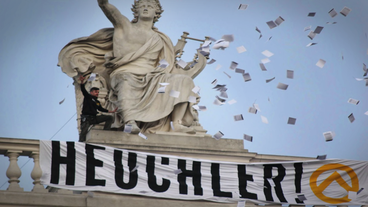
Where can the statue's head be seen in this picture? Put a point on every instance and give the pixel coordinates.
(136, 5)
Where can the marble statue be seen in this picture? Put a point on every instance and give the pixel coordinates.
(127, 59)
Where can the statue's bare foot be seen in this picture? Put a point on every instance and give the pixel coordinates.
(135, 128)
(178, 127)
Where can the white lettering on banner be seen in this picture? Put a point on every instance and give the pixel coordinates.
(87, 167)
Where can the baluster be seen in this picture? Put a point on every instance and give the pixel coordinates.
(13, 172)
(36, 174)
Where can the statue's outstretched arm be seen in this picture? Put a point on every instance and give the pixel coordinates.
(113, 14)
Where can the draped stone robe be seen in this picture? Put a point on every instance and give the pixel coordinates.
(135, 81)
(134, 78)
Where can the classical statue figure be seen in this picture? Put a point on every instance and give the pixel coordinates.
(128, 57)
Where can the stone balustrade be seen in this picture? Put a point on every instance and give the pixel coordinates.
(14, 195)
(13, 148)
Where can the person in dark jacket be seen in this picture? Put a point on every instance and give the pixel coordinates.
(89, 112)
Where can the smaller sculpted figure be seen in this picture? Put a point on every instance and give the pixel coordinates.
(89, 111)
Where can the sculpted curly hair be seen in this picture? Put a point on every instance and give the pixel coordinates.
(136, 5)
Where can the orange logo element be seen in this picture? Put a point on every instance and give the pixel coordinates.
(335, 176)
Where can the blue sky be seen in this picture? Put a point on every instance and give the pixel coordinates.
(34, 31)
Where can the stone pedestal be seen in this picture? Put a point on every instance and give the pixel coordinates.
(185, 145)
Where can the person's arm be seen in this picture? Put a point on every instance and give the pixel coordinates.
(83, 89)
(113, 14)
(105, 110)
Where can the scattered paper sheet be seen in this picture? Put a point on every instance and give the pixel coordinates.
(238, 117)
(252, 110)
(177, 172)
(92, 77)
(233, 65)
(271, 79)
(161, 89)
(290, 74)
(282, 86)
(234, 101)
(271, 24)
(311, 14)
(196, 89)
(220, 99)
(345, 11)
(218, 67)
(164, 84)
(221, 44)
(353, 101)
(248, 138)
(62, 101)
(321, 63)
(366, 113)
(267, 53)
(307, 28)
(227, 75)
(223, 94)
(128, 128)
(135, 168)
(238, 70)
(329, 135)
(243, 6)
(206, 44)
(241, 204)
(218, 102)
(332, 13)
(318, 30)
(279, 20)
(192, 99)
(219, 87)
(302, 197)
(218, 135)
(264, 119)
(365, 70)
(259, 31)
(229, 38)
(193, 64)
(174, 93)
(265, 60)
(263, 67)
(351, 118)
(291, 121)
(311, 35)
(257, 107)
(163, 63)
(246, 77)
(142, 135)
(310, 44)
(90, 194)
(241, 49)
(202, 108)
(211, 61)
(359, 191)
(182, 63)
(321, 157)
(214, 82)
(204, 53)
